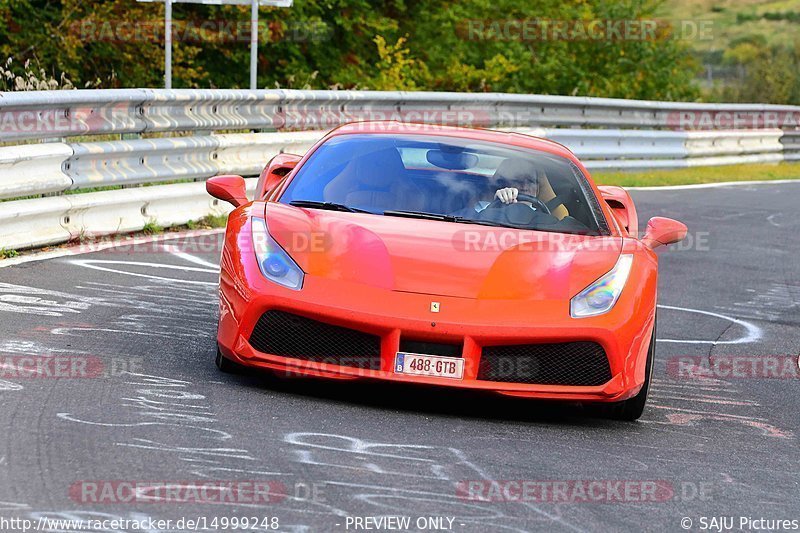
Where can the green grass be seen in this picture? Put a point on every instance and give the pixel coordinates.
(104, 188)
(6, 253)
(152, 228)
(688, 176)
(210, 221)
(215, 221)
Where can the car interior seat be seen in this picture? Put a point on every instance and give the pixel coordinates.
(375, 181)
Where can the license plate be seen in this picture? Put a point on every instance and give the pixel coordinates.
(429, 365)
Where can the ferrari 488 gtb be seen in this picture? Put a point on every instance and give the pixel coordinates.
(443, 256)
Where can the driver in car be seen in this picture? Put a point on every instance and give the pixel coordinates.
(515, 177)
(516, 200)
(518, 172)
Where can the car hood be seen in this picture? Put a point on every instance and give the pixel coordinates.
(440, 258)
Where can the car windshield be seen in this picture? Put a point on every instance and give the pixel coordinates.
(447, 178)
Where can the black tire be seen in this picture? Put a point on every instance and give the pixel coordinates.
(226, 365)
(631, 409)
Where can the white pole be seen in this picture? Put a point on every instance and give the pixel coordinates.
(168, 44)
(253, 43)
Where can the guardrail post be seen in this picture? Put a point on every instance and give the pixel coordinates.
(168, 44)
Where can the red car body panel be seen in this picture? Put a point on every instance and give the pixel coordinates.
(379, 275)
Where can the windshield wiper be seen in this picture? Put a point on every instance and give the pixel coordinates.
(443, 218)
(421, 214)
(330, 206)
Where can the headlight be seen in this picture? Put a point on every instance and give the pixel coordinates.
(274, 262)
(600, 296)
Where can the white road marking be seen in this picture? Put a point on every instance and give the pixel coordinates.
(95, 264)
(79, 332)
(711, 185)
(397, 465)
(771, 219)
(174, 250)
(43, 302)
(661, 384)
(8, 385)
(768, 304)
(754, 333)
(11, 506)
(712, 400)
(118, 242)
(34, 348)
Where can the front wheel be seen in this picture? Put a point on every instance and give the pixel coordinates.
(632, 408)
(226, 365)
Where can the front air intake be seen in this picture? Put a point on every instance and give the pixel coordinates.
(298, 337)
(570, 363)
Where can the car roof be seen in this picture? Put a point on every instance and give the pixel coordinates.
(478, 134)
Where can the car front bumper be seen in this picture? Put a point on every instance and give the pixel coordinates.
(624, 332)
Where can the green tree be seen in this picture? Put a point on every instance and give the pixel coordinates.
(769, 74)
(365, 44)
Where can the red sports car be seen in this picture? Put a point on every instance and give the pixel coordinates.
(444, 256)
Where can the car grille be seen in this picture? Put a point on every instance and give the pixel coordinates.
(298, 337)
(571, 363)
(431, 348)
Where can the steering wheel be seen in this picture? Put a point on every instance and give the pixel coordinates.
(535, 203)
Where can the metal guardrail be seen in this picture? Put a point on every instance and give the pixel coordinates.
(59, 219)
(51, 114)
(791, 145)
(58, 167)
(604, 133)
(33, 169)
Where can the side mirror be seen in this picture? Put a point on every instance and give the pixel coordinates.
(663, 231)
(274, 172)
(231, 189)
(622, 206)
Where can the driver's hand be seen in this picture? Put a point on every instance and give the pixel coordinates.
(507, 195)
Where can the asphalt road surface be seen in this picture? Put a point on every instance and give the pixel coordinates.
(153, 409)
